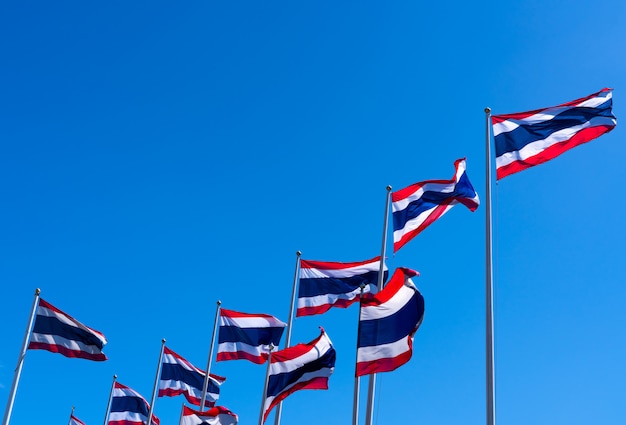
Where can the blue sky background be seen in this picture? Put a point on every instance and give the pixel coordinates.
(158, 156)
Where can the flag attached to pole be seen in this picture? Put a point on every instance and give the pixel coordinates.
(526, 139)
(217, 415)
(59, 332)
(301, 367)
(417, 206)
(244, 336)
(178, 376)
(128, 407)
(387, 323)
(330, 284)
(75, 421)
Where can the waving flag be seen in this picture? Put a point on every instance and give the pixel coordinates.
(301, 367)
(128, 407)
(328, 284)
(387, 324)
(75, 421)
(178, 376)
(247, 336)
(526, 139)
(419, 205)
(59, 332)
(218, 415)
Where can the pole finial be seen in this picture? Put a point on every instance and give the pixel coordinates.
(487, 110)
(115, 376)
(219, 303)
(389, 188)
(37, 291)
(298, 253)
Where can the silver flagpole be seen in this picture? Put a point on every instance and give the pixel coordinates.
(20, 361)
(296, 280)
(205, 386)
(491, 391)
(357, 379)
(156, 382)
(369, 415)
(69, 422)
(182, 410)
(106, 415)
(267, 376)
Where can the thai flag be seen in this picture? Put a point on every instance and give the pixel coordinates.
(216, 416)
(301, 367)
(244, 336)
(59, 332)
(328, 284)
(526, 139)
(75, 421)
(387, 323)
(419, 205)
(128, 407)
(178, 376)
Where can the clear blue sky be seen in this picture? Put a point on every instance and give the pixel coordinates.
(158, 156)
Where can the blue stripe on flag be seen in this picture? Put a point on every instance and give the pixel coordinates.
(53, 326)
(251, 336)
(311, 287)
(278, 383)
(129, 404)
(176, 372)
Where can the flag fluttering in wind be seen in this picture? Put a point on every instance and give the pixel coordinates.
(217, 415)
(179, 376)
(301, 367)
(330, 284)
(244, 336)
(128, 407)
(75, 421)
(417, 206)
(525, 139)
(59, 332)
(387, 323)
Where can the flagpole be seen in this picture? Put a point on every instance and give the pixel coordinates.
(69, 422)
(205, 386)
(20, 360)
(296, 280)
(267, 376)
(369, 415)
(491, 405)
(156, 382)
(106, 415)
(182, 411)
(357, 379)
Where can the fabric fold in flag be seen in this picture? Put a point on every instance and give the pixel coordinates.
(59, 332)
(525, 139)
(217, 415)
(417, 206)
(330, 284)
(387, 323)
(244, 336)
(179, 376)
(75, 421)
(128, 407)
(301, 367)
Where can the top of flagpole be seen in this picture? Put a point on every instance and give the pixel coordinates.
(37, 291)
(487, 110)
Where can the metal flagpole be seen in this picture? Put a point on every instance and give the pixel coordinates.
(205, 386)
(20, 361)
(267, 376)
(182, 410)
(357, 379)
(69, 422)
(369, 415)
(156, 382)
(296, 280)
(491, 405)
(106, 415)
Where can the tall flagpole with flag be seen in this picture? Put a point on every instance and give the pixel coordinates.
(207, 375)
(357, 378)
(369, 415)
(20, 361)
(156, 382)
(294, 290)
(490, 373)
(267, 377)
(108, 411)
(71, 414)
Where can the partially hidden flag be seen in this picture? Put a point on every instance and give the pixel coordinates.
(417, 206)
(301, 367)
(59, 332)
(179, 376)
(217, 415)
(75, 421)
(330, 284)
(244, 336)
(526, 139)
(128, 407)
(387, 323)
